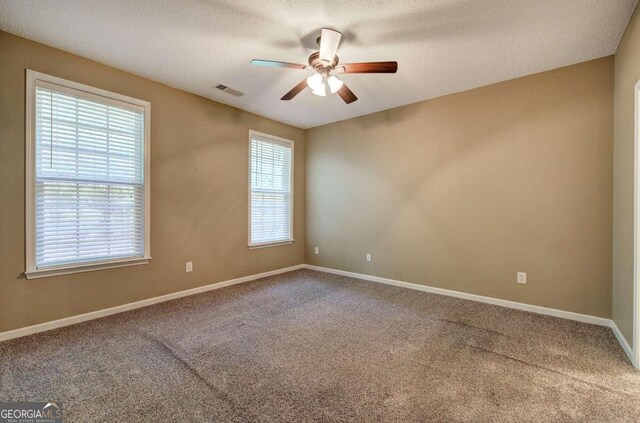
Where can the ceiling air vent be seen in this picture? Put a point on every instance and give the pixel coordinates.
(229, 90)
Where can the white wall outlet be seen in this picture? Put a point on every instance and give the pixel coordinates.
(368, 257)
(189, 267)
(316, 250)
(522, 278)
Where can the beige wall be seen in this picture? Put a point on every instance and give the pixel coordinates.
(198, 193)
(459, 192)
(463, 191)
(627, 74)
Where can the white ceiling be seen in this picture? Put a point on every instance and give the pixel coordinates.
(442, 46)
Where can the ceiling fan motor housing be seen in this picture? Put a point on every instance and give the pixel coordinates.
(318, 65)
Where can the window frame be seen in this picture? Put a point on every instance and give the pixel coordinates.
(91, 93)
(270, 138)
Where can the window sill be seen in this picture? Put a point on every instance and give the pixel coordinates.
(86, 267)
(271, 244)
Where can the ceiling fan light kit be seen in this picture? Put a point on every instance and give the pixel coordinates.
(324, 62)
(318, 84)
(335, 83)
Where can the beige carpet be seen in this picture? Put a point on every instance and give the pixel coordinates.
(308, 346)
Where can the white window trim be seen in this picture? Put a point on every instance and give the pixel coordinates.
(291, 240)
(32, 271)
(635, 341)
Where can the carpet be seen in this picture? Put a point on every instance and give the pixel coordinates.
(310, 346)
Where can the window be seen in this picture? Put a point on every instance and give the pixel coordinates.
(87, 178)
(270, 190)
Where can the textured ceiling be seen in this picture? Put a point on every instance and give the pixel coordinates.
(442, 46)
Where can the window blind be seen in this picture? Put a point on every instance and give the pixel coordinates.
(271, 199)
(89, 177)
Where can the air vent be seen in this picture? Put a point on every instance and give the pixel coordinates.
(229, 90)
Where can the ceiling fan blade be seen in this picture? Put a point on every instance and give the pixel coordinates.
(329, 40)
(295, 90)
(346, 94)
(368, 67)
(276, 64)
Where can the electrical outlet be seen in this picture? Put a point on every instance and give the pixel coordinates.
(189, 267)
(368, 257)
(316, 250)
(522, 278)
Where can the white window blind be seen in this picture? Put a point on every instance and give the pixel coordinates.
(271, 202)
(89, 178)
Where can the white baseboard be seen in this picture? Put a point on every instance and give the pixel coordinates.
(623, 342)
(585, 318)
(16, 333)
(473, 297)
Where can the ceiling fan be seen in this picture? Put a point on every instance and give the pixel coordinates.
(324, 63)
